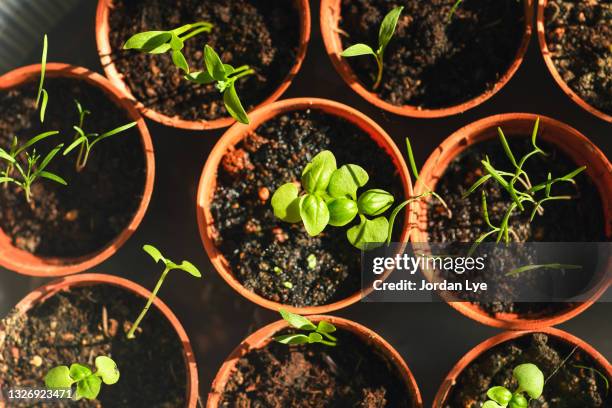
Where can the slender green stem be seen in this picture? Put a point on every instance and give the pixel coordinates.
(195, 32)
(243, 74)
(130, 334)
(379, 63)
(81, 161)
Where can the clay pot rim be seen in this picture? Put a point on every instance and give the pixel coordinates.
(49, 289)
(263, 337)
(460, 141)
(111, 72)
(329, 17)
(26, 263)
(234, 135)
(546, 54)
(483, 347)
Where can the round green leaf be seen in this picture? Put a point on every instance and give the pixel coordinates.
(285, 203)
(357, 50)
(499, 394)
(189, 268)
(369, 234)
(314, 214)
(297, 321)
(530, 379)
(518, 401)
(78, 372)
(154, 253)
(374, 202)
(107, 370)
(491, 404)
(317, 174)
(292, 339)
(325, 327)
(88, 387)
(59, 378)
(346, 180)
(341, 211)
(314, 337)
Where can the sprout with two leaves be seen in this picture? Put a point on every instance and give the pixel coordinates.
(530, 381)
(386, 31)
(157, 256)
(88, 383)
(86, 141)
(319, 333)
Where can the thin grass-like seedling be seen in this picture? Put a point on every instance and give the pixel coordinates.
(86, 141)
(386, 31)
(42, 96)
(157, 256)
(528, 268)
(453, 9)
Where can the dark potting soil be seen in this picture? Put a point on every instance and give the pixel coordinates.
(569, 387)
(99, 202)
(352, 374)
(578, 220)
(579, 37)
(261, 33)
(432, 62)
(70, 328)
(265, 252)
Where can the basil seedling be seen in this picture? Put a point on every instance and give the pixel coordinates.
(320, 333)
(386, 31)
(519, 187)
(35, 169)
(330, 198)
(224, 76)
(86, 141)
(530, 381)
(168, 266)
(88, 383)
(159, 42)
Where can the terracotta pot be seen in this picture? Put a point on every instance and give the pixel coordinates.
(262, 337)
(29, 264)
(90, 279)
(466, 360)
(237, 133)
(330, 18)
(541, 27)
(564, 137)
(105, 52)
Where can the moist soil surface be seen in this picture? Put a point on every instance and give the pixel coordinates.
(70, 328)
(352, 374)
(263, 34)
(579, 37)
(569, 387)
(100, 201)
(433, 62)
(266, 253)
(578, 220)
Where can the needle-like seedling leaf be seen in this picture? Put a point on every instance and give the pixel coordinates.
(453, 9)
(385, 33)
(169, 265)
(42, 96)
(320, 333)
(224, 76)
(88, 383)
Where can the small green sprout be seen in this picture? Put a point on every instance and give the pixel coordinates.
(519, 187)
(530, 381)
(159, 42)
(288, 285)
(320, 333)
(169, 266)
(35, 169)
(386, 31)
(312, 261)
(86, 141)
(88, 383)
(225, 77)
(453, 9)
(42, 96)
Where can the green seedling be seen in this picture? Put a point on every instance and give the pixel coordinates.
(159, 42)
(519, 187)
(33, 169)
(86, 141)
(224, 76)
(42, 96)
(88, 383)
(453, 9)
(386, 31)
(168, 266)
(530, 382)
(320, 333)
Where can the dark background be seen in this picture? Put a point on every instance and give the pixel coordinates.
(430, 336)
